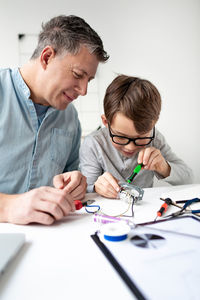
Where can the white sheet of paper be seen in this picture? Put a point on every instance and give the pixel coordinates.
(164, 269)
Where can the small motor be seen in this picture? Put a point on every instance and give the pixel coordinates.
(130, 192)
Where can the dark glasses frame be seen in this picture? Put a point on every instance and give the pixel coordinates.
(134, 140)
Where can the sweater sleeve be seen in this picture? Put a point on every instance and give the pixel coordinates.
(89, 162)
(180, 172)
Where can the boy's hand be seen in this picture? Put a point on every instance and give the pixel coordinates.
(153, 160)
(107, 186)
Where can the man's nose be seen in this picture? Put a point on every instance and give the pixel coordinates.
(82, 87)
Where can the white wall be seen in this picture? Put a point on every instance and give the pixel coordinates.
(155, 39)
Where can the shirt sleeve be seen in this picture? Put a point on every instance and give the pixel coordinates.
(89, 162)
(73, 162)
(180, 172)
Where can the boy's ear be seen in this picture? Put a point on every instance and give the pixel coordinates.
(104, 120)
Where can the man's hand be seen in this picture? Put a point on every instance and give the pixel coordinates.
(73, 183)
(153, 160)
(42, 205)
(107, 186)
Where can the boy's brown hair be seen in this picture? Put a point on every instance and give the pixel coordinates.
(138, 99)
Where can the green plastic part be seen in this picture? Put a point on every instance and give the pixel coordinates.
(138, 168)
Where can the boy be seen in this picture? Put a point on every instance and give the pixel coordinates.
(132, 108)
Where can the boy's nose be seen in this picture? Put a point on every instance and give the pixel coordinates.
(130, 146)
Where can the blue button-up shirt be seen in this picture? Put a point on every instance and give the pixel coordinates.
(31, 154)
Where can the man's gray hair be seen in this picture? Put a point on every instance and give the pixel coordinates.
(68, 34)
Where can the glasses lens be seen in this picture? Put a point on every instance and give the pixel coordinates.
(120, 140)
(143, 142)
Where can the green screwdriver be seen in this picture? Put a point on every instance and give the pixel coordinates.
(135, 172)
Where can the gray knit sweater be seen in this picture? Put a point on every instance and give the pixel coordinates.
(97, 155)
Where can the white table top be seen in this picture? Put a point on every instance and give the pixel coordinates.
(61, 261)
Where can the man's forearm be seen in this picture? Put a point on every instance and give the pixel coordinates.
(5, 200)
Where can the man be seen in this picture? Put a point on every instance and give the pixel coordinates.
(39, 128)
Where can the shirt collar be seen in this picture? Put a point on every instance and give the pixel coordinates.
(20, 84)
(23, 89)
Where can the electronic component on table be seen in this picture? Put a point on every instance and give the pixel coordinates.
(130, 192)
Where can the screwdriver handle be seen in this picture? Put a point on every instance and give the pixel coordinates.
(164, 207)
(130, 179)
(135, 172)
(78, 204)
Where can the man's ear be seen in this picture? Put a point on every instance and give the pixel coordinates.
(48, 53)
(104, 120)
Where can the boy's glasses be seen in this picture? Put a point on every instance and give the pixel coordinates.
(123, 140)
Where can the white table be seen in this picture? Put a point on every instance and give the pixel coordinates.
(62, 261)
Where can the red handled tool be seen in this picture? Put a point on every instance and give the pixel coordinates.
(164, 207)
(78, 204)
(88, 206)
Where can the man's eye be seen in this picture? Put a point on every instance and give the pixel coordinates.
(76, 75)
